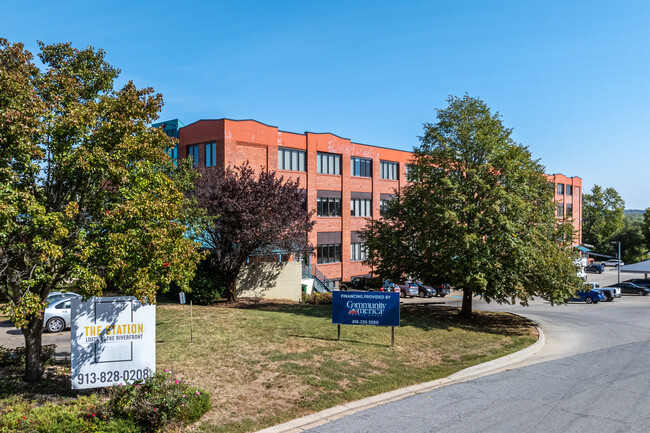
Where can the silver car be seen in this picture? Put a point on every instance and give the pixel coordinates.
(57, 315)
(55, 296)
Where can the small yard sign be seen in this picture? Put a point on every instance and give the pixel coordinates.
(113, 341)
(365, 308)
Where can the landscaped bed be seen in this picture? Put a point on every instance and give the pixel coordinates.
(267, 363)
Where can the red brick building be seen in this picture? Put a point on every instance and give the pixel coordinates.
(568, 200)
(346, 182)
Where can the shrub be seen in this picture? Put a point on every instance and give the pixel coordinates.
(318, 299)
(16, 357)
(158, 400)
(207, 286)
(20, 415)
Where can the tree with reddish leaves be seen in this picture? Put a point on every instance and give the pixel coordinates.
(250, 214)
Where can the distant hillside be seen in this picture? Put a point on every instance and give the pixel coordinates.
(634, 214)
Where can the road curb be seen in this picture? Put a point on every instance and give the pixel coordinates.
(495, 366)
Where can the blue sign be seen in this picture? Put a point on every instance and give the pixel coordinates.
(365, 308)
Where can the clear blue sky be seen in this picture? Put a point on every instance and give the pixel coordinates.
(570, 77)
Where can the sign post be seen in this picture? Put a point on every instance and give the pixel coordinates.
(181, 296)
(113, 341)
(366, 308)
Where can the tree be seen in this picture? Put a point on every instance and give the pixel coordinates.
(633, 246)
(645, 228)
(88, 198)
(256, 214)
(478, 213)
(602, 218)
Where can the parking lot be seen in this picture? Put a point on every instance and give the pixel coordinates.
(610, 276)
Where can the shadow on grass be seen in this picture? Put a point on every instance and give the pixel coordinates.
(343, 340)
(425, 317)
(54, 386)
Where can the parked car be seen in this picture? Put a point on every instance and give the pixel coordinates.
(442, 290)
(57, 315)
(366, 284)
(610, 292)
(387, 286)
(632, 289)
(612, 262)
(425, 291)
(408, 288)
(643, 282)
(595, 268)
(55, 296)
(592, 296)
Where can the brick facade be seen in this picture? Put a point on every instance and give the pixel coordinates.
(568, 198)
(238, 141)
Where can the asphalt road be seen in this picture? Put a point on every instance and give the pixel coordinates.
(592, 375)
(11, 337)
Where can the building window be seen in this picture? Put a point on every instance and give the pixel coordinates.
(328, 207)
(360, 207)
(193, 151)
(291, 159)
(328, 253)
(210, 154)
(408, 168)
(560, 188)
(328, 163)
(569, 189)
(389, 170)
(382, 206)
(172, 152)
(361, 167)
(569, 209)
(358, 251)
(560, 210)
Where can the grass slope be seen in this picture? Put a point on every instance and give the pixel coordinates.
(271, 363)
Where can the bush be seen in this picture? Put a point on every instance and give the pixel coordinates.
(16, 357)
(20, 415)
(207, 286)
(158, 400)
(318, 299)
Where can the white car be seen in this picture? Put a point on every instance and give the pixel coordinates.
(612, 262)
(57, 315)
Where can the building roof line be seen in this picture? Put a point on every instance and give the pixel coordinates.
(562, 174)
(297, 133)
(231, 120)
(382, 147)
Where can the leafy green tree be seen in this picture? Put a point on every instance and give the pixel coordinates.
(645, 228)
(88, 198)
(602, 218)
(478, 213)
(633, 246)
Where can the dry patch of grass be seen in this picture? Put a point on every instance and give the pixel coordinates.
(267, 363)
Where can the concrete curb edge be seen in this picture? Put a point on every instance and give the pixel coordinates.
(491, 367)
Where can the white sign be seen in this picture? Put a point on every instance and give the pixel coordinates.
(113, 341)
(181, 295)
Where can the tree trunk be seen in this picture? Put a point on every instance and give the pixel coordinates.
(232, 290)
(466, 310)
(33, 333)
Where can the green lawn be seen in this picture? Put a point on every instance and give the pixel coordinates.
(267, 364)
